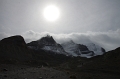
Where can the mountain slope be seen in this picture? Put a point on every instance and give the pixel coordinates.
(106, 63)
(96, 49)
(88, 50)
(113, 55)
(106, 66)
(72, 48)
(48, 44)
(77, 49)
(68, 48)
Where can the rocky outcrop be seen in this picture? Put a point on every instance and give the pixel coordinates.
(14, 40)
(48, 44)
(14, 47)
(113, 55)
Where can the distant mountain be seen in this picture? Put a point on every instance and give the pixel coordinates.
(48, 44)
(77, 49)
(96, 49)
(68, 48)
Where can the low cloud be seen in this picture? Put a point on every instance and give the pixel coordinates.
(108, 40)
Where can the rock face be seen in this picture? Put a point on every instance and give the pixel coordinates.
(84, 50)
(14, 47)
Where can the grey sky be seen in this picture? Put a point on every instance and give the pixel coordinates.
(76, 16)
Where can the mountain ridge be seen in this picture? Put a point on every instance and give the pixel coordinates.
(14, 50)
(68, 48)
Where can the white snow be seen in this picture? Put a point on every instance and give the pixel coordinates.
(95, 48)
(71, 47)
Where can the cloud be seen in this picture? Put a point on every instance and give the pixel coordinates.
(32, 36)
(108, 40)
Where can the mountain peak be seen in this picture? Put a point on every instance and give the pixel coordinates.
(48, 36)
(70, 42)
(48, 44)
(47, 40)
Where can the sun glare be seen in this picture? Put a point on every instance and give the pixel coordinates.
(51, 13)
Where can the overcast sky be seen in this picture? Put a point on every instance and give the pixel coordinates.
(96, 21)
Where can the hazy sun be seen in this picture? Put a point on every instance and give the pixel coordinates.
(51, 13)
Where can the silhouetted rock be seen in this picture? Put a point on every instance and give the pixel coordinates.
(113, 55)
(14, 48)
(14, 40)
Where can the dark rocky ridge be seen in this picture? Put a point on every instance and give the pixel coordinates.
(14, 40)
(14, 47)
(48, 40)
(113, 55)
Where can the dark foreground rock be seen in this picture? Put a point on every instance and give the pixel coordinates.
(29, 72)
(14, 48)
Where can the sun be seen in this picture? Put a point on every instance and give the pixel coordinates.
(51, 13)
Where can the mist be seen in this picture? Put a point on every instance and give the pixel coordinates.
(108, 40)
